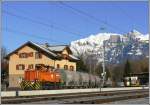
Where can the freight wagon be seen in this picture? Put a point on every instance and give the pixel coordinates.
(58, 79)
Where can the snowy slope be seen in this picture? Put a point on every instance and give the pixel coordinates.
(144, 37)
(133, 45)
(139, 35)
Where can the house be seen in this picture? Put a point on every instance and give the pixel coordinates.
(30, 55)
(140, 78)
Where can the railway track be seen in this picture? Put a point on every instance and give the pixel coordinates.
(90, 97)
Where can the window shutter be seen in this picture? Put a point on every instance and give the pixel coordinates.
(58, 66)
(30, 54)
(23, 67)
(20, 55)
(26, 55)
(17, 67)
(40, 55)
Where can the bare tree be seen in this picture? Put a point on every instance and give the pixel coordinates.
(3, 52)
(4, 64)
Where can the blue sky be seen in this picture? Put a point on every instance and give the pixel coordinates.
(61, 23)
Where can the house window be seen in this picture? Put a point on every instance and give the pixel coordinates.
(38, 55)
(58, 66)
(66, 67)
(39, 66)
(71, 68)
(30, 54)
(65, 56)
(23, 55)
(20, 67)
(30, 66)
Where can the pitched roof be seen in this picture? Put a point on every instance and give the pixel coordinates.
(36, 45)
(56, 48)
(44, 49)
(48, 49)
(73, 57)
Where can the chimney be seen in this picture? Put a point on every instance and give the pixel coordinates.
(46, 45)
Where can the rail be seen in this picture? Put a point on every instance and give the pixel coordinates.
(71, 96)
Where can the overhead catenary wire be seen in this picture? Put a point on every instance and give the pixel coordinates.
(54, 23)
(131, 18)
(77, 13)
(29, 35)
(126, 14)
(84, 19)
(92, 17)
(42, 23)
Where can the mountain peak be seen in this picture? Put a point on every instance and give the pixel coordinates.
(117, 46)
(135, 32)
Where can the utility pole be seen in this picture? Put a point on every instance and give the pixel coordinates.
(103, 64)
(103, 55)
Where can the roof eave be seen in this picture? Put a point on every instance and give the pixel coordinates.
(7, 56)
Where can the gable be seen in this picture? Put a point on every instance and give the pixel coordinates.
(25, 49)
(35, 47)
(30, 46)
(66, 51)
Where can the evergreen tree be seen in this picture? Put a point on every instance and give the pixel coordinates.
(107, 73)
(127, 68)
(98, 69)
(4, 66)
(81, 65)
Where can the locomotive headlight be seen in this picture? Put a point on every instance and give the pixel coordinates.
(57, 75)
(52, 75)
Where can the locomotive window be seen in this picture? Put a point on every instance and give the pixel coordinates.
(66, 67)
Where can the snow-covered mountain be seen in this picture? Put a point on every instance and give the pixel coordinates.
(118, 48)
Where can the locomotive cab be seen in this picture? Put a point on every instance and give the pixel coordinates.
(43, 77)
